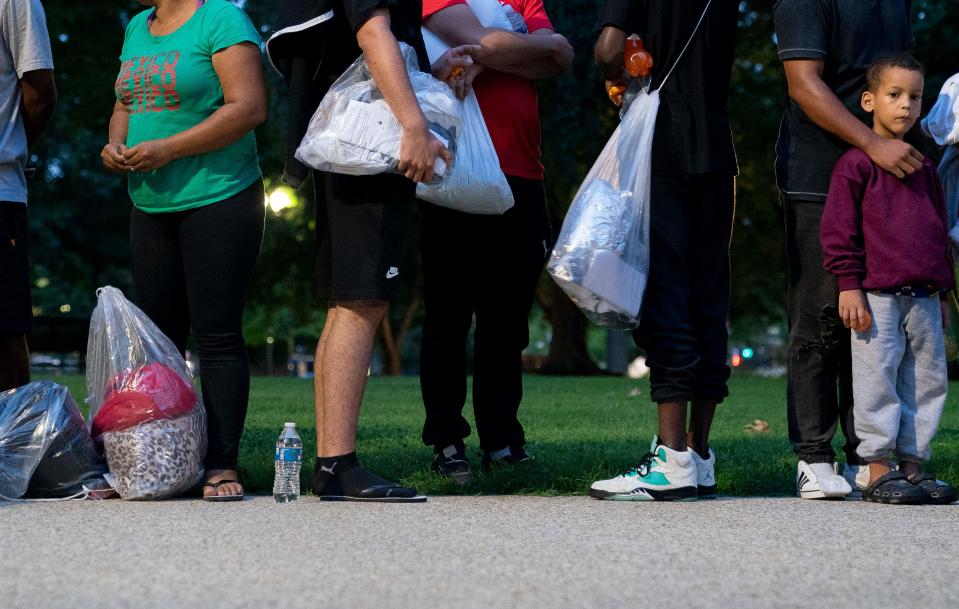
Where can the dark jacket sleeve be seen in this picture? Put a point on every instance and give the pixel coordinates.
(840, 230)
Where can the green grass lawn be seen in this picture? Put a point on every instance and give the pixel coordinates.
(579, 430)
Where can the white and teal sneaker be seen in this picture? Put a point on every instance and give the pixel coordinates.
(705, 474)
(662, 474)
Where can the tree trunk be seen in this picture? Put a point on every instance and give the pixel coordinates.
(568, 354)
(392, 342)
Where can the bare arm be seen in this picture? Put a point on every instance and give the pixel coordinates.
(116, 147)
(547, 67)
(419, 149)
(457, 25)
(38, 99)
(240, 72)
(807, 88)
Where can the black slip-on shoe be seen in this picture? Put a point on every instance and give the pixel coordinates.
(357, 484)
(938, 491)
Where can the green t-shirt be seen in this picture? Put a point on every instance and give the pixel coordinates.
(169, 85)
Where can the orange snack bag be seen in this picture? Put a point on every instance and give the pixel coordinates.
(636, 59)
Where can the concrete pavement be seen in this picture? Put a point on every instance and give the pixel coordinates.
(482, 552)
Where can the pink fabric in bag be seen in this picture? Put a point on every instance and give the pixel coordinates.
(149, 393)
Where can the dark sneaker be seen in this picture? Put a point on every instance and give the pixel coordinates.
(516, 456)
(895, 488)
(453, 463)
(938, 492)
(357, 484)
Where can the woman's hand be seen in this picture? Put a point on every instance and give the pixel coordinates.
(113, 160)
(149, 155)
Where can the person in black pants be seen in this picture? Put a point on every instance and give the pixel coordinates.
(487, 267)
(692, 202)
(182, 133)
(826, 47)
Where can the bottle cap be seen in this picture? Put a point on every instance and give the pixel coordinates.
(288, 424)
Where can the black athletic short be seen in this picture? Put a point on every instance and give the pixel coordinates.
(16, 311)
(361, 225)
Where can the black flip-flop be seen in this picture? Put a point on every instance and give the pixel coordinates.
(221, 498)
(938, 492)
(895, 488)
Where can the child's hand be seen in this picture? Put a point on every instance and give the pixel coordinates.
(854, 311)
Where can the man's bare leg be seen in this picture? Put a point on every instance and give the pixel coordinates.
(318, 377)
(346, 353)
(342, 364)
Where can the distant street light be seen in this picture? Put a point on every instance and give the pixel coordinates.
(281, 198)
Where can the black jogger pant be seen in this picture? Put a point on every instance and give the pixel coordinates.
(191, 272)
(819, 364)
(683, 320)
(486, 266)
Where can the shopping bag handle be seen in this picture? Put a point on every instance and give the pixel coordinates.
(688, 42)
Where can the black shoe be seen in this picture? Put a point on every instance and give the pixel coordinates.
(938, 492)
(516, 456)
(357, 484)
(895, 488)
(453, 463)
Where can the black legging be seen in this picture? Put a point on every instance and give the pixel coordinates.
(191, 270)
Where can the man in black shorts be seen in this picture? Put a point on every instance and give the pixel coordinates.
(361, 226)
(825, 47)
(27, 98)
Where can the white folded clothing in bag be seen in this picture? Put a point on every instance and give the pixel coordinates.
(476, 184)
(354, 131)
(617, 286)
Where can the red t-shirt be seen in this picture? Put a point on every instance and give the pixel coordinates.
(509, 102)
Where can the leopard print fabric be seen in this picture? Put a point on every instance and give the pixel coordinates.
(158, 459)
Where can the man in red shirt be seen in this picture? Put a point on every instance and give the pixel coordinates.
(488, 266)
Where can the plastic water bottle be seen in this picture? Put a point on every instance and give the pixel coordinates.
(287, 459)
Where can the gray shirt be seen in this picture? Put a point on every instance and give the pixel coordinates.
(24, 47)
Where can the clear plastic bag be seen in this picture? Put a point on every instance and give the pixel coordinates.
(601, 259)
(45, 448)
(142, 403)
(354, 131)
(476, 184)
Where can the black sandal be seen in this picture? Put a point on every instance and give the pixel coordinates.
(221, 498)
(895, 488)
(937, 491)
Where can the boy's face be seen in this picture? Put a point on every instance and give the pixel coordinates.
(896, 103)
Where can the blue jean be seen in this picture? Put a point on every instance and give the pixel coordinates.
(899, 377)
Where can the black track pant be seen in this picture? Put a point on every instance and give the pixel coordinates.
(683, 325)
(486, 266)
(819, 377)
(191, 272)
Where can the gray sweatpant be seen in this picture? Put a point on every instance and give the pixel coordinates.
(899, 377)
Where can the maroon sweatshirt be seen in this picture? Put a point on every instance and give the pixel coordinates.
(880, 232)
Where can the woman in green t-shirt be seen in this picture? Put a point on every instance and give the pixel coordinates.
(189, 94)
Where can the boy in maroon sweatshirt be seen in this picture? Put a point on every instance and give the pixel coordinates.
(886, 240)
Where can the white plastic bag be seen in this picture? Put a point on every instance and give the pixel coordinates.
(601, 259)
(354, 131)
(45, 447)
(476, 184)
(143, 405)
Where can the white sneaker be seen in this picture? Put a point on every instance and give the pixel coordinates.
(856, 475)
(705, 474)
(662, 474)
(819, 481)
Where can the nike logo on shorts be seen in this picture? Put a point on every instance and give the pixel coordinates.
(393, 272)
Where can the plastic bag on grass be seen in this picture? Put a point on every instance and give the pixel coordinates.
(45, 448)
(601, 259)
(354, 131)
(476, 184)
(142, 403)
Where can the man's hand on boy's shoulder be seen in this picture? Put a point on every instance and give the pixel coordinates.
(895, 156)
(854, 311)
